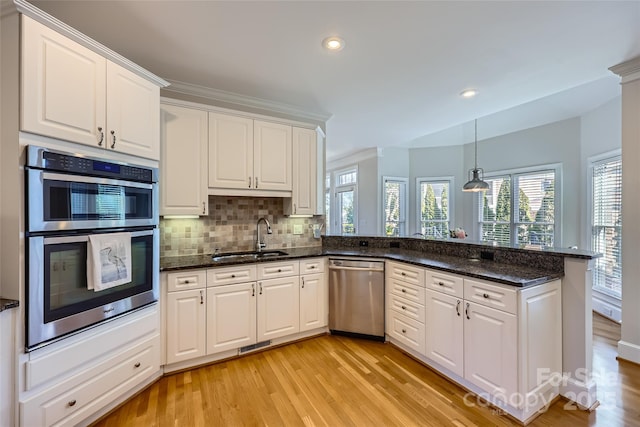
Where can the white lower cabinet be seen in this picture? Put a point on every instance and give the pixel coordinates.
(68, 382)
(278, 307)
(223, 309)
(444, 340)
(232, 316)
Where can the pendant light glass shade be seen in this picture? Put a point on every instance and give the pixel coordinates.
(476, 175)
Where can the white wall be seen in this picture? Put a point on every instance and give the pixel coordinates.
(437, 162)
(368, 197)
(557, 142)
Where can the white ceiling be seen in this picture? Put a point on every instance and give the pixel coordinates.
(397, 81)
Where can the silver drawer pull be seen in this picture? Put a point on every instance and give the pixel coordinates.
(404, 331)
(485, 295)
(186, 281)
(466, 311)
(71, 403)
(441, 283)
(458, 307)
(404, 291)
(137, 365)
(279, 270)
(404, 308)
(233, 276)
(403, 273)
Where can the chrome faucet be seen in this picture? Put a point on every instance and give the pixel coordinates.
(259, 244)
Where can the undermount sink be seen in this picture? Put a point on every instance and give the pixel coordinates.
(238, 256)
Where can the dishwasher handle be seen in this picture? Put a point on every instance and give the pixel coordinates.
(334, 267)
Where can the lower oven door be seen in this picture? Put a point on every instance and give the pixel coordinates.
(58, 301)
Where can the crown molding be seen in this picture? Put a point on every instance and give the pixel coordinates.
(44, 18)
(628, 70)
(244, 100)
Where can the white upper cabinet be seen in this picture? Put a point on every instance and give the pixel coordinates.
(272, 154)
(70, 92)
(305, 166)
(230, 151)
(183, 161)
(249, 154)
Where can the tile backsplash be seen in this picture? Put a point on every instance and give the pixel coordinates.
(231, 226)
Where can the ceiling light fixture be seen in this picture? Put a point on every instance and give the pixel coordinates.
(333, 43)
(468, 93)
(476, 183)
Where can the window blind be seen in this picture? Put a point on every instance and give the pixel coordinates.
(434, 208)
(607, 225)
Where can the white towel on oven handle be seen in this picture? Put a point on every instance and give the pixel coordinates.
(108, 260)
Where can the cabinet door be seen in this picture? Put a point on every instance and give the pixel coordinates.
(272, 156)
(490, 349)
(231, 311)
(133, 113)
(186, 325)
(278, 307)
(183, 161)
(313, 296)
(304, 172)
(63, 93)
(230, 151)
(444, 327)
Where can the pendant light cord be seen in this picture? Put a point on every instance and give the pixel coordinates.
(476, 143)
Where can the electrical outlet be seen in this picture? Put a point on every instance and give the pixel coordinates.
(364, 243)
(297, 228)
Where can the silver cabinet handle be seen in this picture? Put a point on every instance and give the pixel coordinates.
(203, 208)
(249, 182)
(404, 291)
(71, 403)
(440, 283)
(201, 297)
(466, 311)
(253, 290)
(113, 135)
(101, 136)
(404, 308)
(260, 288)
(137, 365)
(256, 182)
(294, 208)
(303, 283)
(458, 307)
(404, 331)
(485, 296)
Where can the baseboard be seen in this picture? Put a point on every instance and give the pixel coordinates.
(582, 393)
(629, 351)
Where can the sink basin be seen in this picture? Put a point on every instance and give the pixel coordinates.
(239, 256)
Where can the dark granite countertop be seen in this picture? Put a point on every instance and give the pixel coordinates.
(514, 275)
(6, 304)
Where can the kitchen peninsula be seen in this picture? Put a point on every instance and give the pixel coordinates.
(510, 270)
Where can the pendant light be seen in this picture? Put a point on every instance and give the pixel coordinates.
(476, 183)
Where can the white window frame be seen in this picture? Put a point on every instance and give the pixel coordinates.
(605, 302)
(404, 204)
(336, 223)
(513, 174)
(436, 180)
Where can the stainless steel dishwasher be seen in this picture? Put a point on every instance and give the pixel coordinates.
(356, 298)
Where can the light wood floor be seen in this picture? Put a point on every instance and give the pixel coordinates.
(337, 381)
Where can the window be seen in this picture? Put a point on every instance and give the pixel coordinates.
(327, 203)
(345, 208)
(520, 208)
(395, 206)
(434, 207)
(606, 224)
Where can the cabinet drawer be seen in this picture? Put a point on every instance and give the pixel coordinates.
(72, 401)
(405, 290)
(185, 280)
(501, 297)
(312, 265)
(408, 331)
(405, 272)
(447, 283)
(272, 270)
(410, 309)
(229, 275)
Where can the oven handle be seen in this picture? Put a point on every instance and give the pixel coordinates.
(93, 180)
(85, 237)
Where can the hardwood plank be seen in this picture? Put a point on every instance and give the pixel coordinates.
(340, 381)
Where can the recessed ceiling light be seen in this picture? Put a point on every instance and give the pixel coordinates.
(468, 93)
(333, 43)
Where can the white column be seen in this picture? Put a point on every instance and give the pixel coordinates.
(629, 345)
(577, 323)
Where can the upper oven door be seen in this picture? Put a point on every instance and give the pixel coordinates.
(59, 201)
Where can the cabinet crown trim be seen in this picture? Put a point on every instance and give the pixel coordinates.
(33, 12)
(246, 101)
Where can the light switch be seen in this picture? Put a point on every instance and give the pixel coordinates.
(297, 228)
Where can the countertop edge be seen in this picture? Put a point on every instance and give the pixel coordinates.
(6, 304)
(544, 277)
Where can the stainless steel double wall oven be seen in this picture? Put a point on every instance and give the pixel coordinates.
(70, 197)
